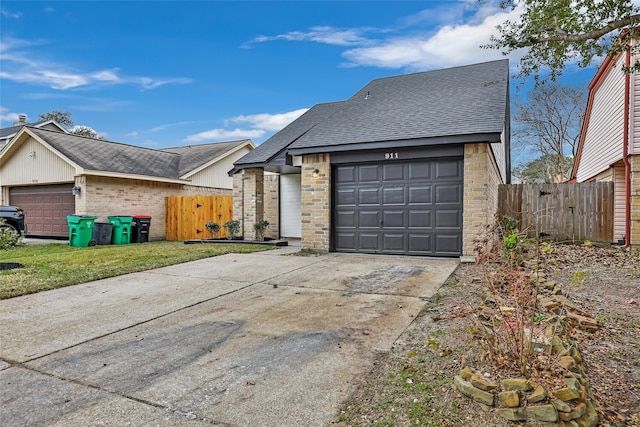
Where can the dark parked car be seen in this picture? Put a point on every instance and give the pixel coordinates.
(13, 219)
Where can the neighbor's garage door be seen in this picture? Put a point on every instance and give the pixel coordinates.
(46, 208)
(412, 208)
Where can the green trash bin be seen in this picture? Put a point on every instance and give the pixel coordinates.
(121, 229)
(80, 230)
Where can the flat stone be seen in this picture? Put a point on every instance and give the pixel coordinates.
(566, 394)
(590, 418)
(571, 423)
(568, 363)
(542, 413)
(513, 414)
(557, 345)
(509, 399)
(577, 412)
(466, 373)
(466, 388)
(519, 384)
(537, 395)
(561, 406)
(572, 382)
(482, 383)
(575, 353)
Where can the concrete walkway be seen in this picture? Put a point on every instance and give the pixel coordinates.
(264, 339)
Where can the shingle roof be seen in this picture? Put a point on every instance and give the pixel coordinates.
(195, 156)
(457, 101)
(4, 132)
(106, 156)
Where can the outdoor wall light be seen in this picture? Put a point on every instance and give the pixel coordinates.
(315, 173)
(32, 154)
(75, 190)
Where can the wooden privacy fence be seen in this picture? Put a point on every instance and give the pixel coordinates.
(187, 215)
(581, 211)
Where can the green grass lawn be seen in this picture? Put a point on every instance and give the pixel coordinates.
(56, 265)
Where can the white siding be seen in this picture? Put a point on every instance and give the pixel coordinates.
(217, 174)
(619, 206)
(33, 163)
(602, 145)
(290, 206)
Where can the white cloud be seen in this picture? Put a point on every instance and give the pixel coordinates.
(451, 45)
(11, 15)
(133, 134)
(269, 122)
(6, 116)
(18, 66)
(225, 135)
(324, 34)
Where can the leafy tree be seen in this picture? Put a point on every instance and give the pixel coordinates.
(541, 170)
(85, 131)
(61, 117)
(556, 32)
(64, 118)
(549, 122)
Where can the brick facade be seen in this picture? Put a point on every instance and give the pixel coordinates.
(316, 202)
(238, 199)
(272, 205)
(253, 200)
(481, 180)
(103, 196)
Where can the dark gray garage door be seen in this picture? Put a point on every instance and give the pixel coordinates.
(46, 208)
(412, 208)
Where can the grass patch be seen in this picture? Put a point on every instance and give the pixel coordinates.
(57, 265)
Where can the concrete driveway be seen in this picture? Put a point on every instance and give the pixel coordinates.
(265, 339)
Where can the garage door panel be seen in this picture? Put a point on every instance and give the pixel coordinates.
(369, 196)
(448, 219)
(420, 194)
(448, 193)
(394, 242)
(410, 207)
(420, 219)
(394, 219)
(369, 174)
(393, 196)
(368, 242)
(46, 208)
(369, 219)
(394, 172)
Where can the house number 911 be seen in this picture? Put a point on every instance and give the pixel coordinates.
(390, 156)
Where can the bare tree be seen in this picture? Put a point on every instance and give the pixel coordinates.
(549, 122)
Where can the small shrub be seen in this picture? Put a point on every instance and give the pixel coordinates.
(232, 227)
(213, 228)
(260, 227)
(8, 237)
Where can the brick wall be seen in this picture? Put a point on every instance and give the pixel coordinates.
(272, 205)
(238, 199)
(316, 202)
(253, 200)
(103, 196)
(635, 201)
(481, 179)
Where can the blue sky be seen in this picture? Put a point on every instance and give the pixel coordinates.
(168, 73)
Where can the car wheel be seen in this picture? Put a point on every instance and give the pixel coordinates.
(8, 227)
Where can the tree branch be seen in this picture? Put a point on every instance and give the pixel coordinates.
(561, 36)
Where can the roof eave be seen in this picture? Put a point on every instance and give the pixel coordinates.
(448, 139)
(133, 176)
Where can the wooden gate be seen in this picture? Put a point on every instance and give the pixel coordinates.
(581, 211)
(187, 215)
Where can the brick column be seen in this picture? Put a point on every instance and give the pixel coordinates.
(238, 199)
(316, 202)
(272, 205)
(478, 209)
(635, 202)
(253, 200)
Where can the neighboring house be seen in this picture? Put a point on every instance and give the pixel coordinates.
(7, 133)
(609, 148)
(53, 174)
(408, 165)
